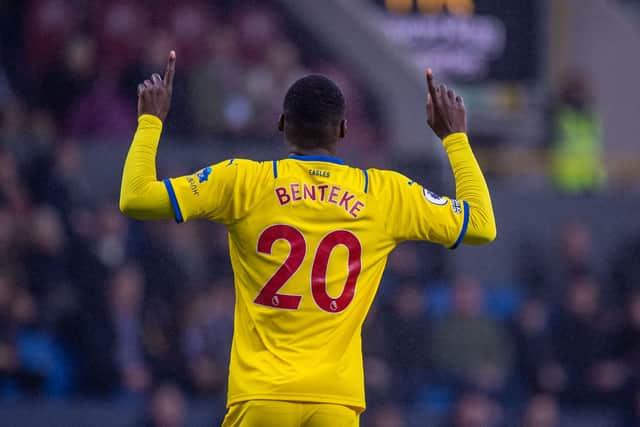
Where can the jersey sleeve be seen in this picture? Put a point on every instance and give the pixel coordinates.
(224, 192)
(413, 212)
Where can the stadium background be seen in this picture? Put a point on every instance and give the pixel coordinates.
(110, 322)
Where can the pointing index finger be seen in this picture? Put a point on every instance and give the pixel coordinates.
(170, 70)
(431, 85)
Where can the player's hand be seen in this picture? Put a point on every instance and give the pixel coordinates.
(154, 95)
(446, 113)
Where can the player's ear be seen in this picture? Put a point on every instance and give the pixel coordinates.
(281, 123)
(343, 128)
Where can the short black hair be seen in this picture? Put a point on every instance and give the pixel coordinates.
(313, 107)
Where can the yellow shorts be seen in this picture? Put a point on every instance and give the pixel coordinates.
(275, 413)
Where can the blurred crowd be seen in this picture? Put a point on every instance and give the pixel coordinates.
(95, 305)
(558, 348)
(74, 67)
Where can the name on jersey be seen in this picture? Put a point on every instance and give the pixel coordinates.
(296, 192)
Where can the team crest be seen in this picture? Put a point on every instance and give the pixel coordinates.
(434, 198)
(203, 175)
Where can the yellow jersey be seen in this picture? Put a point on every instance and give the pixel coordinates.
(309, 238)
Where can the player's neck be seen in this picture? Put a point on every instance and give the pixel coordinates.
(311, 151)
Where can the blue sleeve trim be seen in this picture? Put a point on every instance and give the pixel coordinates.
(465, 223)
(174, 200)
(366, 180)
(275, 168)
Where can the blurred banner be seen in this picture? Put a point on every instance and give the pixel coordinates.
(466, 40)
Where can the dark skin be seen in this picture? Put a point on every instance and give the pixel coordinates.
(446, 113)
(154, 95)
(339, 131)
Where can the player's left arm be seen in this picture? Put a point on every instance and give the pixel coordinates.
(472, 189)
(223, 192)
(447, 117)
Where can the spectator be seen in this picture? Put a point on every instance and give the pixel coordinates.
(110, 241)
(10, 241)
(475, 409)
(6, 92)
(31, 362)
(632, 415)
(534, 356)
(258, 28)
(70, 77)
(404, 265)
(378, 381)
(16, 309)
(14, 122)
(378, 378)
(47, 261)
(207, 337)
(166, 408)
(576, 250)
(627, 342)
(189, 246)
(582, 346)
(48, 25)
(625, 271)
(541, 411)
(115, 358)
(121, 28)
(267, 83)
(216, 94)
(54, 175)
(126, 317)
(407, 335)
(468, 346)
(577, 138)
(388, 415)
(626, 354)
(573, 258)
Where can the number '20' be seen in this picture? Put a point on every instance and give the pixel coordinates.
(269, 295)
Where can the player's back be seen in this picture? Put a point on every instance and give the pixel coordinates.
(307, 260)
(308, 239)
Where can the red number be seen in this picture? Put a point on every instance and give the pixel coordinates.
(269, 295)
(319, 271)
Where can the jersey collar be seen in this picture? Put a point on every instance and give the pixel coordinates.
(317, 159)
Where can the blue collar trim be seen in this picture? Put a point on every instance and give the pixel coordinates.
(317, 159)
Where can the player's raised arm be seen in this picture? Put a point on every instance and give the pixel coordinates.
(447, 117)
(142, 196)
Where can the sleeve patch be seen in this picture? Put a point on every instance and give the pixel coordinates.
(456, 206)
(434, 198)
(203, 175)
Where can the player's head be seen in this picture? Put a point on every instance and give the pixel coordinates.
(313, 113)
